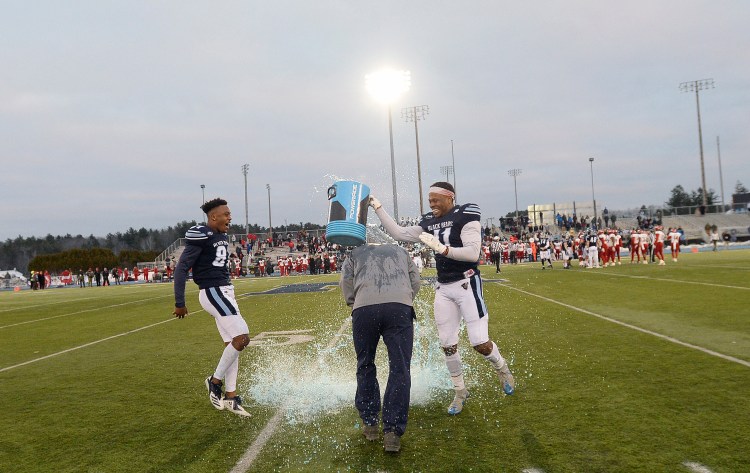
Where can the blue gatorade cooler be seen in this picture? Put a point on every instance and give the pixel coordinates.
(347, 213)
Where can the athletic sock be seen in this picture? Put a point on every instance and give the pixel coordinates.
(453, 362)
(495, 359)
(229, 356)
(230, 377)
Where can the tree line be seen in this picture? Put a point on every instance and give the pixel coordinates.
(679, 197)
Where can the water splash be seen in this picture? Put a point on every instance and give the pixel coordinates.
(320, 378)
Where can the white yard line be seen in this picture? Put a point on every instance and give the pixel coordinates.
(679, 281)
(634, 327)
(84, 311)
(7, 368)
(247, 459)
(697, 467)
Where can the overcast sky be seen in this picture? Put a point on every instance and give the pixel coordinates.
(113, 113)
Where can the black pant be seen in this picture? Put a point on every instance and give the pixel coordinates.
(496, 257)
(395, 323)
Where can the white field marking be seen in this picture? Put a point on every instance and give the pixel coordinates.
(247, 459)
(7, 368)
(83, 311)
(715, 266)
(51, 303)
(532, 470)
(697, 467)
(634, 327)
(681, 281)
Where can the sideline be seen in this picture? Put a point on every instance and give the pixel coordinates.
(635, 327)
(247, 459)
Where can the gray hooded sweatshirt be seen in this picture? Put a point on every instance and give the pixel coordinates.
(378, 274)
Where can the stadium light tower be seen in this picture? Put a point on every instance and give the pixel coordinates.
(696, 86)
(270, 229)
(386, 86)
(591, 162)
(515, 173)
(453, 163)
(203, 191)
(245, 168)
(414, 114)
(448, 170)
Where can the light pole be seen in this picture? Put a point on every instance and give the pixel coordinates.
(453, 163)
(515, 173)
(245, 168)
(414, 114)
(696, 86)
(270, 229)
(386, 86)
(721, 175)
(203, 191)
(591, 162)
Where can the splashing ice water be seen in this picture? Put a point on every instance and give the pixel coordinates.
(321, 378)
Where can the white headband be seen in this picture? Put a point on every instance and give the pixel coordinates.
(441, 191)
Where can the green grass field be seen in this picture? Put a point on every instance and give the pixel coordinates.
(106, 380)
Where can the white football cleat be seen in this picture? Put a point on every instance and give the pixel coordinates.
(458, 402)
(506, 378)
(214, 394)
(234, 405)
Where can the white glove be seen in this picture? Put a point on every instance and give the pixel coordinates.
(375, 203)
(432, 241)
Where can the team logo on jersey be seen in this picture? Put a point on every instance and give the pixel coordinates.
(437, 226)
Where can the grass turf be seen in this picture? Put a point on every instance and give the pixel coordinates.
(591, 395)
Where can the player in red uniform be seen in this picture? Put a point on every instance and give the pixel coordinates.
(635, 246)
(659, 238)
(674, 243)
(603, 247)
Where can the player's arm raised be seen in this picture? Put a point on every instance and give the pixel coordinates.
(410, 234)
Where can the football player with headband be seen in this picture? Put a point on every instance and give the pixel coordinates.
(454, 233)
(207, 252)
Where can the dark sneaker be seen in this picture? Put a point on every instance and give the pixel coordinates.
(391, 442)
(214, 394)
(234, 405)
(371, 432)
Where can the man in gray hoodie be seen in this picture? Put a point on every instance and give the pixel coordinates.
(379, 283)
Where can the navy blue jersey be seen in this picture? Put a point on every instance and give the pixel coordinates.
(207, 252)
(544, 244)
(592, 239)
(448, 229)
